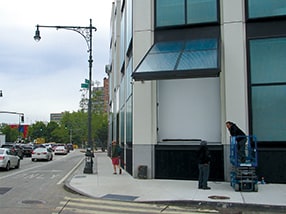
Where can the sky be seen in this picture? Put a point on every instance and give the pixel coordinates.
(39, 78)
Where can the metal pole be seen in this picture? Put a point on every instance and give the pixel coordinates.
(89, 87)
(86, 32)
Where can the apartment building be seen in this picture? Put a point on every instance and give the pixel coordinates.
(179, 69)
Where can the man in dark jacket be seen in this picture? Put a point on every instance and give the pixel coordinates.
(240, 139)
(204, 165)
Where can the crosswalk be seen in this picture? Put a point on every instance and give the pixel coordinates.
(100, 206)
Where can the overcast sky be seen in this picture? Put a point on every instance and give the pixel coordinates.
(39, 78)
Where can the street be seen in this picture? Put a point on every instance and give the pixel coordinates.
(36, 187)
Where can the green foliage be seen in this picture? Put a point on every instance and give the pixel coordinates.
(11, 134)
(73, 126)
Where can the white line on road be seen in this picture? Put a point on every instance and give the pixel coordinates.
(70, 172)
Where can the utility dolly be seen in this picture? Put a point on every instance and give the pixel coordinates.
(243, 174)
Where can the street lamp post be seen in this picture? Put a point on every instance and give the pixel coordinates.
(86, 32)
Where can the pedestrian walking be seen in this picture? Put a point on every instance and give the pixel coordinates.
(115, 157)
(204, 159)
(240, 138)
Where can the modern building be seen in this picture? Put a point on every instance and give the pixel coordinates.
(56, 117)
(179, 69)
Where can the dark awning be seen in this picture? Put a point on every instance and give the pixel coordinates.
(180, 59)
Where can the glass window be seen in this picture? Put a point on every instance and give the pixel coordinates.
(129, 124)
(170, 12)
(181, 12)
(128, 79)
(268, 88)
(268, 60)
(266, 8)
(128, 23)
(200, 11)
(268, 112)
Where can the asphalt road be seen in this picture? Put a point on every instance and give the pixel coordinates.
(36, 187)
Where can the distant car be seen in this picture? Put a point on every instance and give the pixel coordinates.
(42, 153)
(8, 159)
(70, 146)
(15, 149)
(27, 150)
(61, 150)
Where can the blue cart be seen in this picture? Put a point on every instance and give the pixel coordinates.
(243, 174)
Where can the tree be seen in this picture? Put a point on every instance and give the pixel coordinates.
(11, 134)
(38, 130)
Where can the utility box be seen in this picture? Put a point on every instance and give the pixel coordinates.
(142, 172)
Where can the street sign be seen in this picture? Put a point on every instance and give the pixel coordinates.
(86, 81)
(84, 85)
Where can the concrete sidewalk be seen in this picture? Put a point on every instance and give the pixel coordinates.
(105, 185)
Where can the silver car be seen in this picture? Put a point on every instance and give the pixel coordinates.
(8, 159)
(42, 154)
(61, 150)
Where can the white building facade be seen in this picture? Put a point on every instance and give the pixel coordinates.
(179, 69)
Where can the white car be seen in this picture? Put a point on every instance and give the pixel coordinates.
(42, 153)
(8, 159)
(61, 150)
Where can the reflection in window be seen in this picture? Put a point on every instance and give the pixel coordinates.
(268, 60)
(182, 12)
(266, 8)
(201, 11)
(181, 55)
(268, 112)
(268, 88)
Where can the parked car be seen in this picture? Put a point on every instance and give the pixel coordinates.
(61, 150)
(8, 159)
(42, 153)
(15, 149)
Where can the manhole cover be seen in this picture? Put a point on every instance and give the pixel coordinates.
(3, 190)
(32, 202)
(218, 197)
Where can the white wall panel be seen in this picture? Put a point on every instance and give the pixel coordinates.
(189, 109)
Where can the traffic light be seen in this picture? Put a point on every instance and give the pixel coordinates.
(22, 118)
(1, 94)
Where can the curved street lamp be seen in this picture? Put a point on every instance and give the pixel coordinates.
(86, 32)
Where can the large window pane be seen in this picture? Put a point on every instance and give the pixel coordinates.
(267, 60)
(266, 8)
(268, 112)
(200, 11)
(129, 124)
(170, 12)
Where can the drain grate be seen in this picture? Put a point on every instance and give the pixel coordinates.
(119, 197)
(219, 197)
(3, 190)
(80, 176)
(32, 202)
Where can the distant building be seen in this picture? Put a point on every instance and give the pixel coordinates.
(100, 103)
(56, 117)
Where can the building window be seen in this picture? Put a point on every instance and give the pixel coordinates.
(268, 88)
(201, 11)
(182, 12)
(266, 8)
